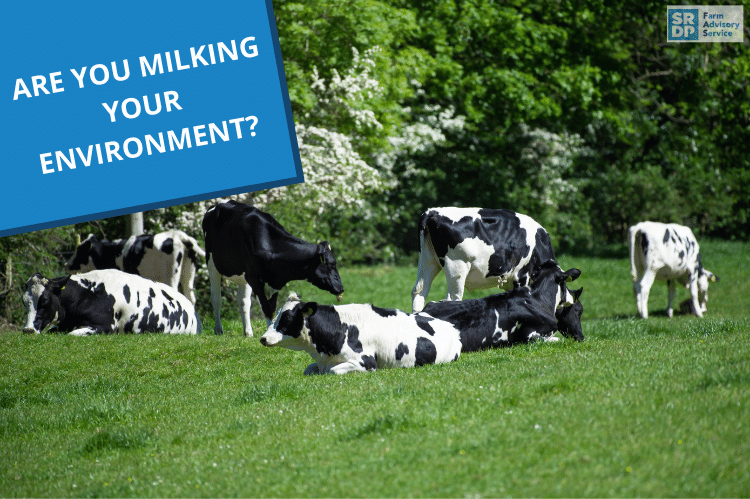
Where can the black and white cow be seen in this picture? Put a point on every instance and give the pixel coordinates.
(346, 338)
(520, 315)
(250, 248)
(478, 248)
(167, 257)
(106, 301)
(667, 252)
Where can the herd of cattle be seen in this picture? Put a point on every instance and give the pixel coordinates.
(131, 286)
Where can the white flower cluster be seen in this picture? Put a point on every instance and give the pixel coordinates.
(548, 158)
(336, 175)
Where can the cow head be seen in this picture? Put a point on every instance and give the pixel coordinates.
(569, 318)
(704, 278)
(288, 330)
(42, 299)
(550, 287)
(82, 261)
(325, 275)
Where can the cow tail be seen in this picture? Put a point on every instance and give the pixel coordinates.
(633, 234)
(192, 245)
(422, 228)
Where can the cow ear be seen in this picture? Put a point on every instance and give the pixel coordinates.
(572, 274)
(57, 285)
(309, 308)
(577, 294)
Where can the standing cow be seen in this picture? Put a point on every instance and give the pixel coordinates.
(667, 252)
(250, 248)
(168, 257)
(478, 248)
(520, 315)
(106, 301)
(361, 337)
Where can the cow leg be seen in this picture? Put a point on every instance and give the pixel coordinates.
(694, 295)
(215, 279)
(187, 277)
(456, 272)
(428, 269)
(347, 367)
(642, 289)
(244, 298)
(671, 290)
(84, 331)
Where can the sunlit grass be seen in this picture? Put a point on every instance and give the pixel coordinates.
(653, 407)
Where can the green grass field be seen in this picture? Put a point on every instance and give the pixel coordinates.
(656, 407)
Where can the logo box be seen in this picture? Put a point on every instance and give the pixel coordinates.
(705, 23)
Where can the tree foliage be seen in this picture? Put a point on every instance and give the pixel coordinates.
(577, 113)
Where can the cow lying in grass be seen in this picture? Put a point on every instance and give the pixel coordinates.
(520, 315)
(345, 338)
(106, 301)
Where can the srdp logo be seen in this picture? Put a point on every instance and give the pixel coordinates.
(682, 25)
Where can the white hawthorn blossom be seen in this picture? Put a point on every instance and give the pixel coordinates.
(336, 174)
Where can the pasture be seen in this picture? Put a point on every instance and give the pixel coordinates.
(655, 407)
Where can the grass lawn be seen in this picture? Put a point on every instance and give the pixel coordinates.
(656, 407)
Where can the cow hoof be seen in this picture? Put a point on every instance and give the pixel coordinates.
(311, 369)
(218, 330)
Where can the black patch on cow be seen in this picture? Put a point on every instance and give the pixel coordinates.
(138, 299)
(644, 242)
(352, 339)
(179, 258)
(326, 330)
(424, 324)
(401, 350)
(384, 312)
(118, 315)
(169, 298)
(426, 352)
(681, 254)
(86, 304)
(126, 293)
(291, 322)
(167, 246)
(152, 293)
(666, 236)
(132, 260)
(369, 362)
(128, 327)
(165, 312)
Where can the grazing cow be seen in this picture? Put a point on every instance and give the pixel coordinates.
(346, 338)
(520, 315)
(478, 248)
(250, 248)
(167, 257)
(106, 301)
(667, 252)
